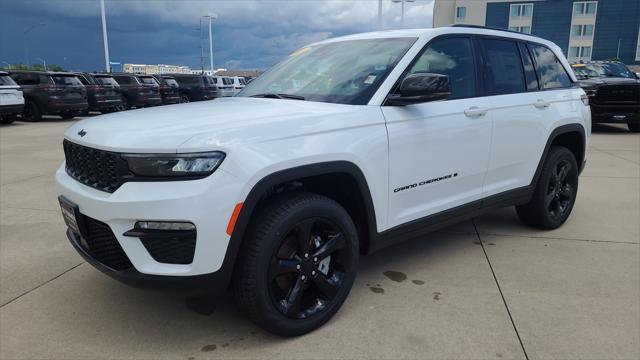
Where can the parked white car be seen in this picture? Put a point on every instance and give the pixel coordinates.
(11, 99)
(224, 85)
(238, 84)
(279, 191)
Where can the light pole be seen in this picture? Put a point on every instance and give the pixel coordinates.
(26, 45)
(402, 10)
(104, 37)
(379, 14)
(44, 63)
(211, 17)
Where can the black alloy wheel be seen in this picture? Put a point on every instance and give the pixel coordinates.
(560, 191)
(308, 268)
(297, 263)
(555, 192)
(31, 112)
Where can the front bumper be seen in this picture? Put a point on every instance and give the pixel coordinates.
(207, 203)
(615, 113)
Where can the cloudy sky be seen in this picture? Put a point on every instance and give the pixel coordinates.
(249, 34)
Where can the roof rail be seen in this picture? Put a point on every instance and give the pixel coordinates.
(487, 28)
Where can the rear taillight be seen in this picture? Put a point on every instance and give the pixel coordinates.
(585, 99)
(49, 88)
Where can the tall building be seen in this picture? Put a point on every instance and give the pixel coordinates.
(585, 30)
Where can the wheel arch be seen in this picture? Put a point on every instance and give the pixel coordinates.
(571, 136)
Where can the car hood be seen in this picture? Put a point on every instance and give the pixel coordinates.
(593, 82)
(214, 124)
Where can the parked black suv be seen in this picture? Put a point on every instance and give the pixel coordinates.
(103, 92)
(51, 93)
(196, 87)
(138, 90)
(169, 89)
(613, 90)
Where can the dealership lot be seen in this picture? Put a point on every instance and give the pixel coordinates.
(487, 288)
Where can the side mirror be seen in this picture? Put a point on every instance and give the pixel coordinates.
(421, 87)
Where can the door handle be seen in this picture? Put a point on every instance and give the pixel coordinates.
(541, 104)
(475, 111)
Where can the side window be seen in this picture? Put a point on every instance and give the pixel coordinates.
(551, 73)
(503, 72)
(529, 70)
(453, 58)
(27, 79)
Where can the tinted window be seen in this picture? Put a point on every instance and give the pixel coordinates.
(503, 72)
(65, 80)
(454, 58)
(171, 82)
(215, 80)
(26, 79)
(227, 81)
(106, 81)
(124, 80)
(83, 80)
(148, 81)
(6, 80)
(529, 70)
(189, 80)
(551, 73)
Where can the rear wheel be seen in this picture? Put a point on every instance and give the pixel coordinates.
(555, 192)
(68, 114)
(7, 119)
(634, 126)
(31, 111)
(297, 264)
(125, 104)
(184, 98)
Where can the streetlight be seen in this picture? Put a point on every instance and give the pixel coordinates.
(44, 63)
(24, 38)
(402, 10)
(211, 17)
(105, 41)
(379, 15)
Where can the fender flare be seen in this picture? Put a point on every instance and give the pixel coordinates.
(286, 175)
(560, 130)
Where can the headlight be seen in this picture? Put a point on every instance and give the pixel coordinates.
(178, 165)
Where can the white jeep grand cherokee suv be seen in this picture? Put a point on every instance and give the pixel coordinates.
(346, 146)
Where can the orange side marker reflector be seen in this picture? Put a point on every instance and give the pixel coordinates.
(234, 218)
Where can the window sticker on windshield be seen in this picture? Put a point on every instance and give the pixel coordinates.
(370, 79)
(301, 51)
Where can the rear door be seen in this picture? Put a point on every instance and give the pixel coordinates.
(69, 88)
(509, 81)
(439, 151)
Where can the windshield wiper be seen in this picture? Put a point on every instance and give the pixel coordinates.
(279, 96)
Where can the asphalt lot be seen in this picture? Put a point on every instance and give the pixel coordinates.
(485, 289)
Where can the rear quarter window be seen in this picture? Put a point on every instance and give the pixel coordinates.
(6, 80)
(124, 80)
(551, 73)
(66, 80)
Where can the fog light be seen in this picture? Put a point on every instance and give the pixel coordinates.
(164, 225)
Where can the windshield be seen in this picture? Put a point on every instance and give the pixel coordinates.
(610, 70)
(106, 81)
(66, 80)
(584, 72)
(346, 72)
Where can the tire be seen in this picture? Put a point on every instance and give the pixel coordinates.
(31, 112)
(184, 98)
(266, 292)
(125, 104)
(555, 192)
(7, 119)
(634, 126)
(68, 114)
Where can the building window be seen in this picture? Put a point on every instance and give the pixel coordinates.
(579, 53)
(521, 10)
(582, 31)
(585, 8)
(522, 29)
(461, 13)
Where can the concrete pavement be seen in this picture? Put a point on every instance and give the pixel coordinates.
(485, 289)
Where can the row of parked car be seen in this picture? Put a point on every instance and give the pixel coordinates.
(32, 94)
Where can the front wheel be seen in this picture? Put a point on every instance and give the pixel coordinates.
(634, 126)
(31, 112)
(555, 192)
(184, 98)
(297, 264)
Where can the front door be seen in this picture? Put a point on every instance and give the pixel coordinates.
(439, 151)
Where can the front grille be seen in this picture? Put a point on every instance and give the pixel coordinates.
(618, 94)
(103, 246)
(171, 250)
(102, 170)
